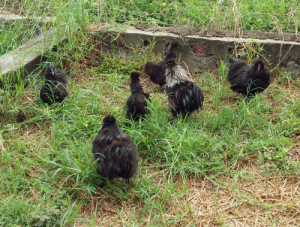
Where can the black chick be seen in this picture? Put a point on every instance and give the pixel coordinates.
(157, 71)
(246, 79)
(115, 152)
(55, 88)
(136, 103)
(183, 94)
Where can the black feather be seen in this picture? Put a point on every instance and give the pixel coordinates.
(136, 103)
(233, 60)
(157, 71)
(184, 95)
(55, 87)
(114, 151)
(249, 80)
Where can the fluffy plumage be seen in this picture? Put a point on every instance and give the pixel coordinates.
(246, 79)
(183, 94)
(157, 71)
(115, 152)
(55, 87)
(136, 103)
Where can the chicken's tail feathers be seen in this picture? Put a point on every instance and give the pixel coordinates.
(233, 60)
(200, 97)
(120, 159)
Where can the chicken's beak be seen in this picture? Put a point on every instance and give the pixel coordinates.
(258, 67)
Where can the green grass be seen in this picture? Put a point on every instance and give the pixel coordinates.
(270, 15)
(263, 15)
(47, 169)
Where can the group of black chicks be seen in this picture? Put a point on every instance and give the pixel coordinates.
(113, 149)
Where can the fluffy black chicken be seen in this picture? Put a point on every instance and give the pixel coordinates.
(55, 88)
(115, 152)
(136, 103)
(183, 94)
(157, 71)
(246, 79)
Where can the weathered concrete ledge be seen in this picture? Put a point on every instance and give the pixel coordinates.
(30, 54)
(199, 53)
(213, 32)
(13, 17)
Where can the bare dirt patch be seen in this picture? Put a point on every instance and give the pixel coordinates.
(246, 200)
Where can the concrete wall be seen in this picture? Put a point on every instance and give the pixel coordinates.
(28, 56)
(200, 53)
(13, 17)
(199, 50)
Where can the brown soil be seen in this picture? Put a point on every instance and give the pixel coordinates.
(251, 199)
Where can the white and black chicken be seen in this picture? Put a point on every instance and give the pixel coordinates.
(183, 94)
